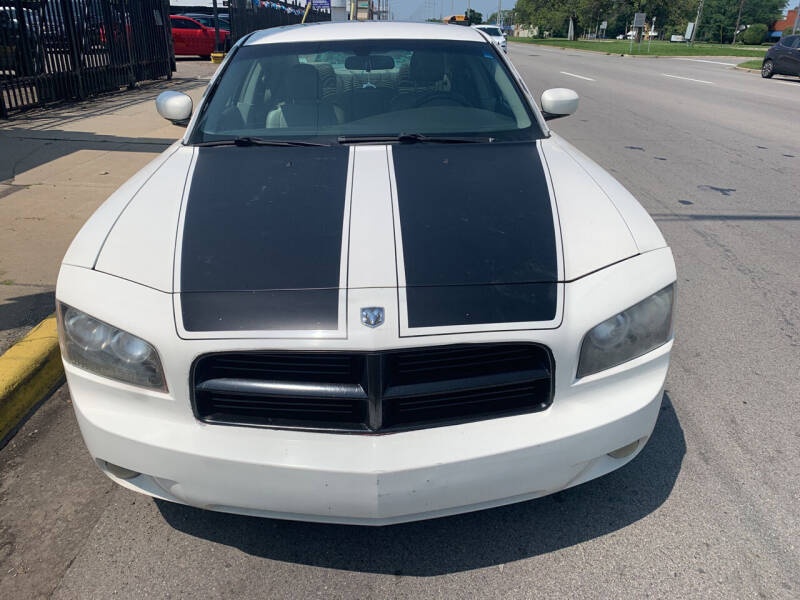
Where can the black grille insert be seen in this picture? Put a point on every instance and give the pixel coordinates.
(372, 392)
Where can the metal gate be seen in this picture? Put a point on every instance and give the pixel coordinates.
(54, 50)
(251, 15)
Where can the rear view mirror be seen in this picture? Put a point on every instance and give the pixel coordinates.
(175, 107)
(559, 102)
(370, 62)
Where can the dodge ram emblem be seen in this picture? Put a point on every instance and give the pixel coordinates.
(372, 316)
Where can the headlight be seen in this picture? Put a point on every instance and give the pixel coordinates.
(98, 347)
(631, 333)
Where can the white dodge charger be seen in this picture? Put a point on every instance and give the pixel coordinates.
(369, 285)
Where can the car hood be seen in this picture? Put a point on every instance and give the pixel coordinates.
(271, 238)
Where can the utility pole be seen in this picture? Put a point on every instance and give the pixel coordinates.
(697, 22)
(738, 22)
(796, 19)
(216, 26)
(499, 12)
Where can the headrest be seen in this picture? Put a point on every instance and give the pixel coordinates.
(304, 83)
(427, 67)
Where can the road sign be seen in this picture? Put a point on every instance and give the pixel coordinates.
(689, 30)
(321, 4)
(604, 25)
(638, 19)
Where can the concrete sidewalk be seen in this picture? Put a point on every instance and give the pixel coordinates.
(56, 167)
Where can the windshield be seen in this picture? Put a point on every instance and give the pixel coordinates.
(493, 31)
(323, 90)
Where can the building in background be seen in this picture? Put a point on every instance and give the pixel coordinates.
(369, 10)
(788, 22)
(364, 10)
(339, 10)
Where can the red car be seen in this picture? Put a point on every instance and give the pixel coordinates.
(190, 37)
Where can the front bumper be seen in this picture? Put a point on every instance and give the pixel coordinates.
(374, 480)
(368, 479)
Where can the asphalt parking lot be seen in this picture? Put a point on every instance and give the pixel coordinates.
(708, 509)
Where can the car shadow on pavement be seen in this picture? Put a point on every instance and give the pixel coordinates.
(463, 542)
(24, 149)
(59, 115)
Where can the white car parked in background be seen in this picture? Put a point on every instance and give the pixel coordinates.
(495, 34)
(369, 285)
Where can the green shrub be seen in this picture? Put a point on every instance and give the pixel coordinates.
(787, 31)
(755, 34)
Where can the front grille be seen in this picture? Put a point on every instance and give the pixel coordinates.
(372, 392)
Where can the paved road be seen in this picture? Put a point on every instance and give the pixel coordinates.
(708, 510)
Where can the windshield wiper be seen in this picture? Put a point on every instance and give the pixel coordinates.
(256, 141)
(412, 138)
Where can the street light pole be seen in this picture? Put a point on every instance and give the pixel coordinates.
(738, 22)
(697, 22)
(216, 26)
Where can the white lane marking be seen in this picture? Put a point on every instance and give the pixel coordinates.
(578, 76)
(711, 62)
(688, 79)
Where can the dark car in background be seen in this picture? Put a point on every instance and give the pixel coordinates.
(783, 58)
(208, 20)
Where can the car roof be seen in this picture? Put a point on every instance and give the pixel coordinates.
(364, 30)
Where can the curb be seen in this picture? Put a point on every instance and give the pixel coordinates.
(29, 371)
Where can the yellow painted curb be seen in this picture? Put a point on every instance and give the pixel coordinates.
(29, 370)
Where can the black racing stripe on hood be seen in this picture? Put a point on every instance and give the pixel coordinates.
(442, 306)
(263, 219)
(288, 310)
(478, 234)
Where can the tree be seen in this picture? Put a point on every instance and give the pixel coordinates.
(754, 34)
(718, 22)
(548, 15)
(474, 17)
(554, 15)
(508, 17)
(719, 17)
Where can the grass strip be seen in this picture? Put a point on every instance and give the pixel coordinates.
(750, 64)
(657, 47)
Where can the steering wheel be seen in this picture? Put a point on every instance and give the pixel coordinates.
(444, 99)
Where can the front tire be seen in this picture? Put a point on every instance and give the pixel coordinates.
(767, 69)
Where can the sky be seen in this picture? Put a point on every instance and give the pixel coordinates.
(416, 9)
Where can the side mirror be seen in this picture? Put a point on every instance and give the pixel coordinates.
(559, 102)
(175, 107)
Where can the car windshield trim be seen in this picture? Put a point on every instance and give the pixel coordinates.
(412, 138)
(256, 141)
